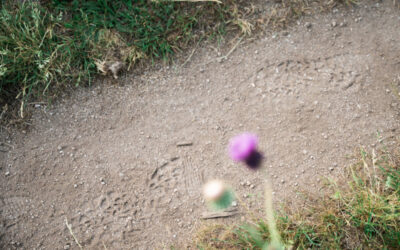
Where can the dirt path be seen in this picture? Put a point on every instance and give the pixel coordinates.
(107, 159)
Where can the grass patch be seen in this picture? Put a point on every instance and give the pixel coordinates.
(363, 215)
(46, 48)
(49, 46)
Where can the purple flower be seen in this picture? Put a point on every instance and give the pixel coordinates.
(242, 146)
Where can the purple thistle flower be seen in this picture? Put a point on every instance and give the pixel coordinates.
(244, 148)
(241, 146)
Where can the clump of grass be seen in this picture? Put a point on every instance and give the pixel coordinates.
(32, 55)
(47, 48)
(365, 215)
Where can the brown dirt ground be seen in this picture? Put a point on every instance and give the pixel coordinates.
(106, 159)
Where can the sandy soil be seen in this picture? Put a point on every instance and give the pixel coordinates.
(107, 160)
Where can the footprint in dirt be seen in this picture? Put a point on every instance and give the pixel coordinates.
(173, 184)
(118, 218)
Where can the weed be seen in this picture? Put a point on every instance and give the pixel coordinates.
(365, 215)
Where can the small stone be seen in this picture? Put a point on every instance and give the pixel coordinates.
(252, 186)
(296, 184)
(248, 183)
(296, 176)
(234, 203)
(331, 168)
(388, 91)
(282, 181)
(245, 196)
(304, 151)
(333, 24)
(7, 173)
(303, 171)
(59, 148)
(308, 25)
(75, 185)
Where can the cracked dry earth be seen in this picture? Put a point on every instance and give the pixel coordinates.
(107, 160)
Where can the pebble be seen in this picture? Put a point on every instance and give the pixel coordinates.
(234, 203)
(248, 183)
(252, 186)
(331, 168)
(333, 24)
(308, 25)
(304, 151)
(75, 185)
(282, 181)
(7, 173)
(296, 184)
